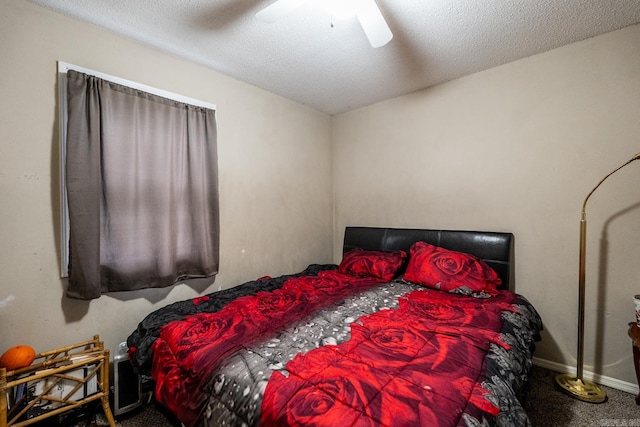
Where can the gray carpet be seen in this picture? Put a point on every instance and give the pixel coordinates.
(546, 406)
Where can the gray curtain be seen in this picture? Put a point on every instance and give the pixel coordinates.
(142, 189)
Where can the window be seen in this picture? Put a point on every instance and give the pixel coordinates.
(139, 185)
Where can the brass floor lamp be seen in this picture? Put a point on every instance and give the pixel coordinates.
(576, 386)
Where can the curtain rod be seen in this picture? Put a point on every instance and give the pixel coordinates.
(63, 67)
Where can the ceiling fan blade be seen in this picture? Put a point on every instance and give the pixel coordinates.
(278, 9)
(372, 22)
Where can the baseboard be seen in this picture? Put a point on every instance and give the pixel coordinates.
(588, 375)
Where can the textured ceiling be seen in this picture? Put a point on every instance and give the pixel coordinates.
(333, 68)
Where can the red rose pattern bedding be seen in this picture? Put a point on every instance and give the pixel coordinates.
(329, 348)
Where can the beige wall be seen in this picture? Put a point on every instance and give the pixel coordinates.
(517, 148)
(274, 163)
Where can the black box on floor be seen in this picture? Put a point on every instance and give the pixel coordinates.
(126, 383)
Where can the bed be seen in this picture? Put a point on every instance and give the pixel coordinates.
(413, 327)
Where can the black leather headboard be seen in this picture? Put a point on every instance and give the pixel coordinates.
(495, 248)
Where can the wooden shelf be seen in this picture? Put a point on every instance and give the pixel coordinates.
(59, 380)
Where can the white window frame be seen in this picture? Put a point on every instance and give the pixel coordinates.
(63, 67)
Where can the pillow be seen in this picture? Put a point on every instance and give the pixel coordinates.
(450, 271)
(378, 264)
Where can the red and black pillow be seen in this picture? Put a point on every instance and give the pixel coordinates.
(450, 271)
(378, 264)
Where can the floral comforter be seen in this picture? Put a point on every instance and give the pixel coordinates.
(327, 349)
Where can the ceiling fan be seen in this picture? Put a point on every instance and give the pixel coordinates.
(373, 23)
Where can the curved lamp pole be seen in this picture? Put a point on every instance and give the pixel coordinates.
(576, 386)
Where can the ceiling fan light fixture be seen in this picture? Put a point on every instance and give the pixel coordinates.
(371, 20)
